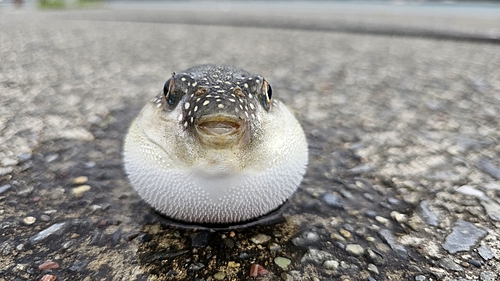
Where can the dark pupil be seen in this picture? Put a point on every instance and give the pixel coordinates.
(170, 96)
(269, 91)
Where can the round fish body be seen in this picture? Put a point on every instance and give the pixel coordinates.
(215, 147)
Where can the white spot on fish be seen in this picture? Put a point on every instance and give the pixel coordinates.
(206, 102)
(220, 105)
(186, 105)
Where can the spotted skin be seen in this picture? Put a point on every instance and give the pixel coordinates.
(207, 89)
(215, 146)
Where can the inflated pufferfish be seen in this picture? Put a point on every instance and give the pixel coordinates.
(215, 147)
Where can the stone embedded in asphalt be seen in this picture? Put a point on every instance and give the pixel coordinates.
(260, 239)
(463, 237)
(429, 216)
(316, 256)
(42, 235)
(492, 208)
(9, 162)
(282, 262)
(375, 257)
(354, 249)
(487, 276)
(373, 269)
(449, 264)
(4, 188)
(486, 166)
(470, 190)
(6, 171)
(331, 264)
(389, 238)
(201, 239)
(196, 266)
(485, 252)
(333, 201)
(475, 263)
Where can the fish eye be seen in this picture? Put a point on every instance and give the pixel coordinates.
(267, 95)
(269, 92)
(171, 96)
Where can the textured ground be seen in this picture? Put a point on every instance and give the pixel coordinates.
(404, 174)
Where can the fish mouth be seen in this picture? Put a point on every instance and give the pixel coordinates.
(220, 130)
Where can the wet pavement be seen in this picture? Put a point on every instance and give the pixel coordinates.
(404, 174)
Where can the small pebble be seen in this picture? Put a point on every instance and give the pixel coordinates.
(45, 218)
(80, 180)
(196, 266)
(51, 157)
(4, 188)
(311, 236)
(24, 157)
(449, 264)
(345, 233)
(229, 242)
(333, 201)
(475, 263)
(260, 239)
(331, 264)
(286, 277)
(9, 162)
(48, 277)
(80, 190)
(337, 237)
(232, 264)
(258, 270)
(19, 267)
(48, 231)
(401, 218)
(429, 216)
(26, 191)
(420, 278)
(354, 249)
(48, 265)
(381, 220)
(282, 262)
(373, 269)
(29, 220)
(485, 252)
(316, 256)
(274, 247)
(6, 171)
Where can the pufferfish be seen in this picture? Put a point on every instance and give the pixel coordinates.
(215, 147)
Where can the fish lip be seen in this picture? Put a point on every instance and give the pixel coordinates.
(221, 131)
(219, 125)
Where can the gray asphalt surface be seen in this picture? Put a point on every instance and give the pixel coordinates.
(402, 127)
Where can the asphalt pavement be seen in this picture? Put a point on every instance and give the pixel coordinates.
(400, 104)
